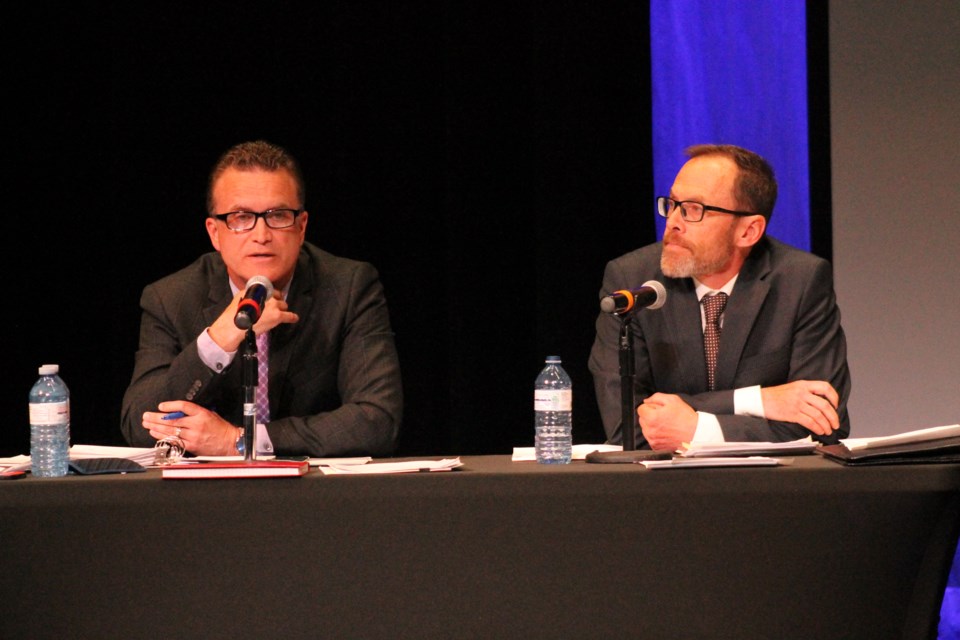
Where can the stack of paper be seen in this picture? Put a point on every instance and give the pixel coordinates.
(411, 466)
(687, 463)
(919, 435)
(314, 462)
(142, 456)
(236, 469)
(937, 445)
(326, 462)
(709, 449)
(16, 463)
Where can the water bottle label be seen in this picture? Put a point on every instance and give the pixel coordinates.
(553, 400)
(49, 412)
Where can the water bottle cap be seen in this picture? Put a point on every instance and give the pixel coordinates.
(553, 359)
(48, 369)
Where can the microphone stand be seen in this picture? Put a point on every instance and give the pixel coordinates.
(249, 376)
(628, 417)
(628, 412)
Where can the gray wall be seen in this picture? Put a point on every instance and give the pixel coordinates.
(895, 135)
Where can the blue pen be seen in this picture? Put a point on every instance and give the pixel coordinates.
(174, 415)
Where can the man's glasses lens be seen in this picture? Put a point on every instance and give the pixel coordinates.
(689, 211)
(664, 206)
(246, 220)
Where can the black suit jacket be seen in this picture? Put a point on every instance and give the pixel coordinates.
(780, 324)
(334, 385)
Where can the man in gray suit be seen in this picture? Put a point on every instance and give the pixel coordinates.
(334, 378)
(781, 369)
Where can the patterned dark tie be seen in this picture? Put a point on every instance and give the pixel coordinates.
(263, 398)
(712, 308)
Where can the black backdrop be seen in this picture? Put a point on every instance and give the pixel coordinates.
(488, 161)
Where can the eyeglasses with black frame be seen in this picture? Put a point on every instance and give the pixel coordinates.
(247, 220)
(691, 211)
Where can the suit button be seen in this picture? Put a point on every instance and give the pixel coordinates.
(194, 388)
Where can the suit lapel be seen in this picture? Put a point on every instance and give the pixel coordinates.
(220, 294)
(285, 337)
(741, 313)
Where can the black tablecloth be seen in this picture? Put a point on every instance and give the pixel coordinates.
(498, 549)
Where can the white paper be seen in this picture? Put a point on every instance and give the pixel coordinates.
(579, 451)
(690, 463)
(314, 462)
(326, 462)
(16, 463)
(919, 435)
(746, 448)
(410, 466)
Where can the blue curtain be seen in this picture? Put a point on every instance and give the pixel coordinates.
(949, 627)
(734, 73)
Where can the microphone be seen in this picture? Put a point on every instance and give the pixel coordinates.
(259, 290)
(651, 295)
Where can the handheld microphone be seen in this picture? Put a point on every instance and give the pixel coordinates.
(259, 290)
(651, 295)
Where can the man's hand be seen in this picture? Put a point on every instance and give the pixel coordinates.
(810, 403)
(666, 421)
(204, 433)
(225, 333)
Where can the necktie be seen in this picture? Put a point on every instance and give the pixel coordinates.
(712, 308)
(263, 398)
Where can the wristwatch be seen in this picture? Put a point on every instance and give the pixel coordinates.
(239, 443)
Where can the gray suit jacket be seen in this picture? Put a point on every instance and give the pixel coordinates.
(781, 324)
(334, 386)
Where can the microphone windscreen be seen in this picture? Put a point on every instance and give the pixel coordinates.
(661, 293)
(261, 280)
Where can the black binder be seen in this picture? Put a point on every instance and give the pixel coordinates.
(943, 450)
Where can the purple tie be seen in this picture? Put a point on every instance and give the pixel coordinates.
(263, 397)
(712, 308)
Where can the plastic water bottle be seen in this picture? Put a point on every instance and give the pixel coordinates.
(553, 406)
(49, 424)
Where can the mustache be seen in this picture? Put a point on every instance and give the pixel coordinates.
(672, 239)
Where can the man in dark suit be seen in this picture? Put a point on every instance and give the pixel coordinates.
(334, 378)
(781, 370)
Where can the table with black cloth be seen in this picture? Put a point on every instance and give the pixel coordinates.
(496, 549)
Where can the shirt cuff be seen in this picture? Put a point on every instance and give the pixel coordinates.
(708, 429)
(748, 402)
(211, 354)
(263, 443)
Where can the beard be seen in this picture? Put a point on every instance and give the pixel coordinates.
(701, 259)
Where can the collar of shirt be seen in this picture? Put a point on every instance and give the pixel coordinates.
(703, 290)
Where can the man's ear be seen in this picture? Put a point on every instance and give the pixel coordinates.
(751, 229)
(214, 232)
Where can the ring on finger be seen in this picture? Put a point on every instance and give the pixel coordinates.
(177, 432)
